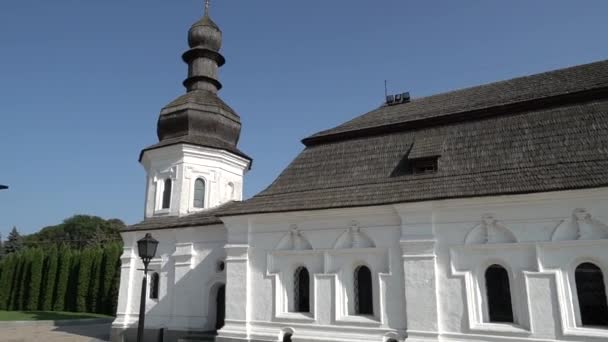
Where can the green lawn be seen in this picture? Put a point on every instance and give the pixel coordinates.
(44, 315)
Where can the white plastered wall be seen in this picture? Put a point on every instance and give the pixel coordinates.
(187, 261)
(427, 260)
(221, 171)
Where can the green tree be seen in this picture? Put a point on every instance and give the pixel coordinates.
(110, 267)
(72, 298)
(50, 279)
(95, 282)
(12, 303)
(1, 247)
(24, 279)
(84, 280)
(78, 232)
(35, 279)
(6, 281)
(113, 294)
(14, 243)
(63, 276)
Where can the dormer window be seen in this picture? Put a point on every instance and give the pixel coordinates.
(166, 203)
(424, 165)
(199, 193)
(416, 166)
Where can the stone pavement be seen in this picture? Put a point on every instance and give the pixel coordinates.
(73, 333)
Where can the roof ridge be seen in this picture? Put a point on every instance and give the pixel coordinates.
(563, 80)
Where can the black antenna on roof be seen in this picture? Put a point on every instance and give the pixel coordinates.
(385, 88)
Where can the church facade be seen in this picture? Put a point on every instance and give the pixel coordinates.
(475, 215)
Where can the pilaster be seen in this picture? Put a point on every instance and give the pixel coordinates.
(419, 267)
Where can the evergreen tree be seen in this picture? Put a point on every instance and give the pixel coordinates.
(113, 294)
(111, 266)
(14, 243)
(16, 282)
(4, 265)
(72, 291)
(1, 247)
(49, 282)
(24, 279)
(93, 289)
(35, 279)
(6, 282)
(63, 276)
(84, 280)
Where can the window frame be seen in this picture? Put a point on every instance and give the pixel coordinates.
(166, 194)
(297, 290)
(480, 277)
(356, 291)
(575, 295)
(154, 286)
(204, 181)
(487, 311)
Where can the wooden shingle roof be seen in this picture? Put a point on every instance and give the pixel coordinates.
(545, 132)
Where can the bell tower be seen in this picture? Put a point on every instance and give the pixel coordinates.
(196, 165)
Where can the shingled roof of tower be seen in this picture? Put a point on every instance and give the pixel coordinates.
(545, 132)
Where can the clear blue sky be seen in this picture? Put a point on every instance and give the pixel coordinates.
(82, 82)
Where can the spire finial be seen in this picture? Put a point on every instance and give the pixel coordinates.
(207, 5)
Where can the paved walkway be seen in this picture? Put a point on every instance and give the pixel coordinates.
(74, 333)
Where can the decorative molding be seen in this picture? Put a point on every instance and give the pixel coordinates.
(581, 226)
(489, 230)
(353, 237)
(417, 249)
(294, 240)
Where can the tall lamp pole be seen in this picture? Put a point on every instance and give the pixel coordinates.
(3, 187)
(146, 248)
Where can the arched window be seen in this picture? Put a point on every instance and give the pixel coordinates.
(591, 291)
(498, 291)
(364, 304)
(167, 194)
(287, 337)
(301, 291)
(154, 283)
(220, 307)
(199, 193)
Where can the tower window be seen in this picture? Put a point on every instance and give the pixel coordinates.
(199, 193)
(499, 295)
(591, 291)
(154, 284)
(363, 291)
(301, 290)
(167, 194)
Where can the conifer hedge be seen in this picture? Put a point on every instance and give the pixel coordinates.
(61, 279)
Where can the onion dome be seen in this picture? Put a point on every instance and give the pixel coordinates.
(200, 117)
(205, 33)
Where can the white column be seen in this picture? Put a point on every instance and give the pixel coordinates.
(124, 315)
(419, 268)
(238, 291)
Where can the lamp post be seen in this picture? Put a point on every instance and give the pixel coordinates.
(146, 248)
(3, 187)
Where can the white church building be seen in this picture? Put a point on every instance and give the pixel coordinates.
(479, 214)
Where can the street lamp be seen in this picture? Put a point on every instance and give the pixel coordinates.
(3, 187)
(146, 248)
